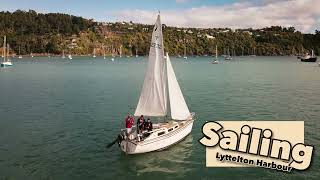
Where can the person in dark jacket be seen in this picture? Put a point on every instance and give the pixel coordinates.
(148, 125)
(140, 124)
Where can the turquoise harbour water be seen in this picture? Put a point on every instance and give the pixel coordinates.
(56, 116)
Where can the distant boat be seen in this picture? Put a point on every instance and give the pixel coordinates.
(6, 52)
(185, 52)
(63, 56)
(120, 51)
(94, 53)
(253, 52)
(112, 54)
(228, 57)
(20, 57)
(70, 56)
(137, 53)
(215, 61)
(31, 54)
(308, 58)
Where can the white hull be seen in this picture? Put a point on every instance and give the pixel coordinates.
(215, 62)
(4, 64)
(155, 142)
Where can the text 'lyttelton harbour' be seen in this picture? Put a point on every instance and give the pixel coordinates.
(252, 162)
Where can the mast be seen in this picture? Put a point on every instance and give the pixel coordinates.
(8, 52)
(4, 48)
(136, 52)
(216, 52)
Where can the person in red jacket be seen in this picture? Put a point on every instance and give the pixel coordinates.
(129, 123)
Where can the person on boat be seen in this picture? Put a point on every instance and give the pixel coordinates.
(129, 123)
(148, 125)
(140, 124)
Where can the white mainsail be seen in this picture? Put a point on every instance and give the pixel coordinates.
(178, 107)
(153, 98)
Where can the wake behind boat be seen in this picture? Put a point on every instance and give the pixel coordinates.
(160, 87)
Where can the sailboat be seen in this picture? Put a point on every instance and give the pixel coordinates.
(20, 57)
(137, 53)
(253, 52)
(185, 52)
(104, 53)
(215, 61)
(308, 58)
(63, 56)
(159, 89)
(228, 57)
(94, 53)
(112, 55)
(120, 51)
(70, 56)
(6, 60)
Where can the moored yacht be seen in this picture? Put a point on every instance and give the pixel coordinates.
(215, 61)
(20, 57)
(309, 58)
(6, 54)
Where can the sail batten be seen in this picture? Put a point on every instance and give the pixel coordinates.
(178, 107)
(153, 98)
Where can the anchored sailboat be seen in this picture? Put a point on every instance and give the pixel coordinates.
(160, 88)
(137, 53)
(63, 56)
(20, 57)
(228, 57)
(94, 53)
(309, 58)
(112, 55)
(6, 50)
(185, 52)
(215, 61)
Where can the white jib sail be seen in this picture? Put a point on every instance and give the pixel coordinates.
(178, 106)
(153, 98)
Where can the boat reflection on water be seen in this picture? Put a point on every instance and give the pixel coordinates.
(173, 160)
